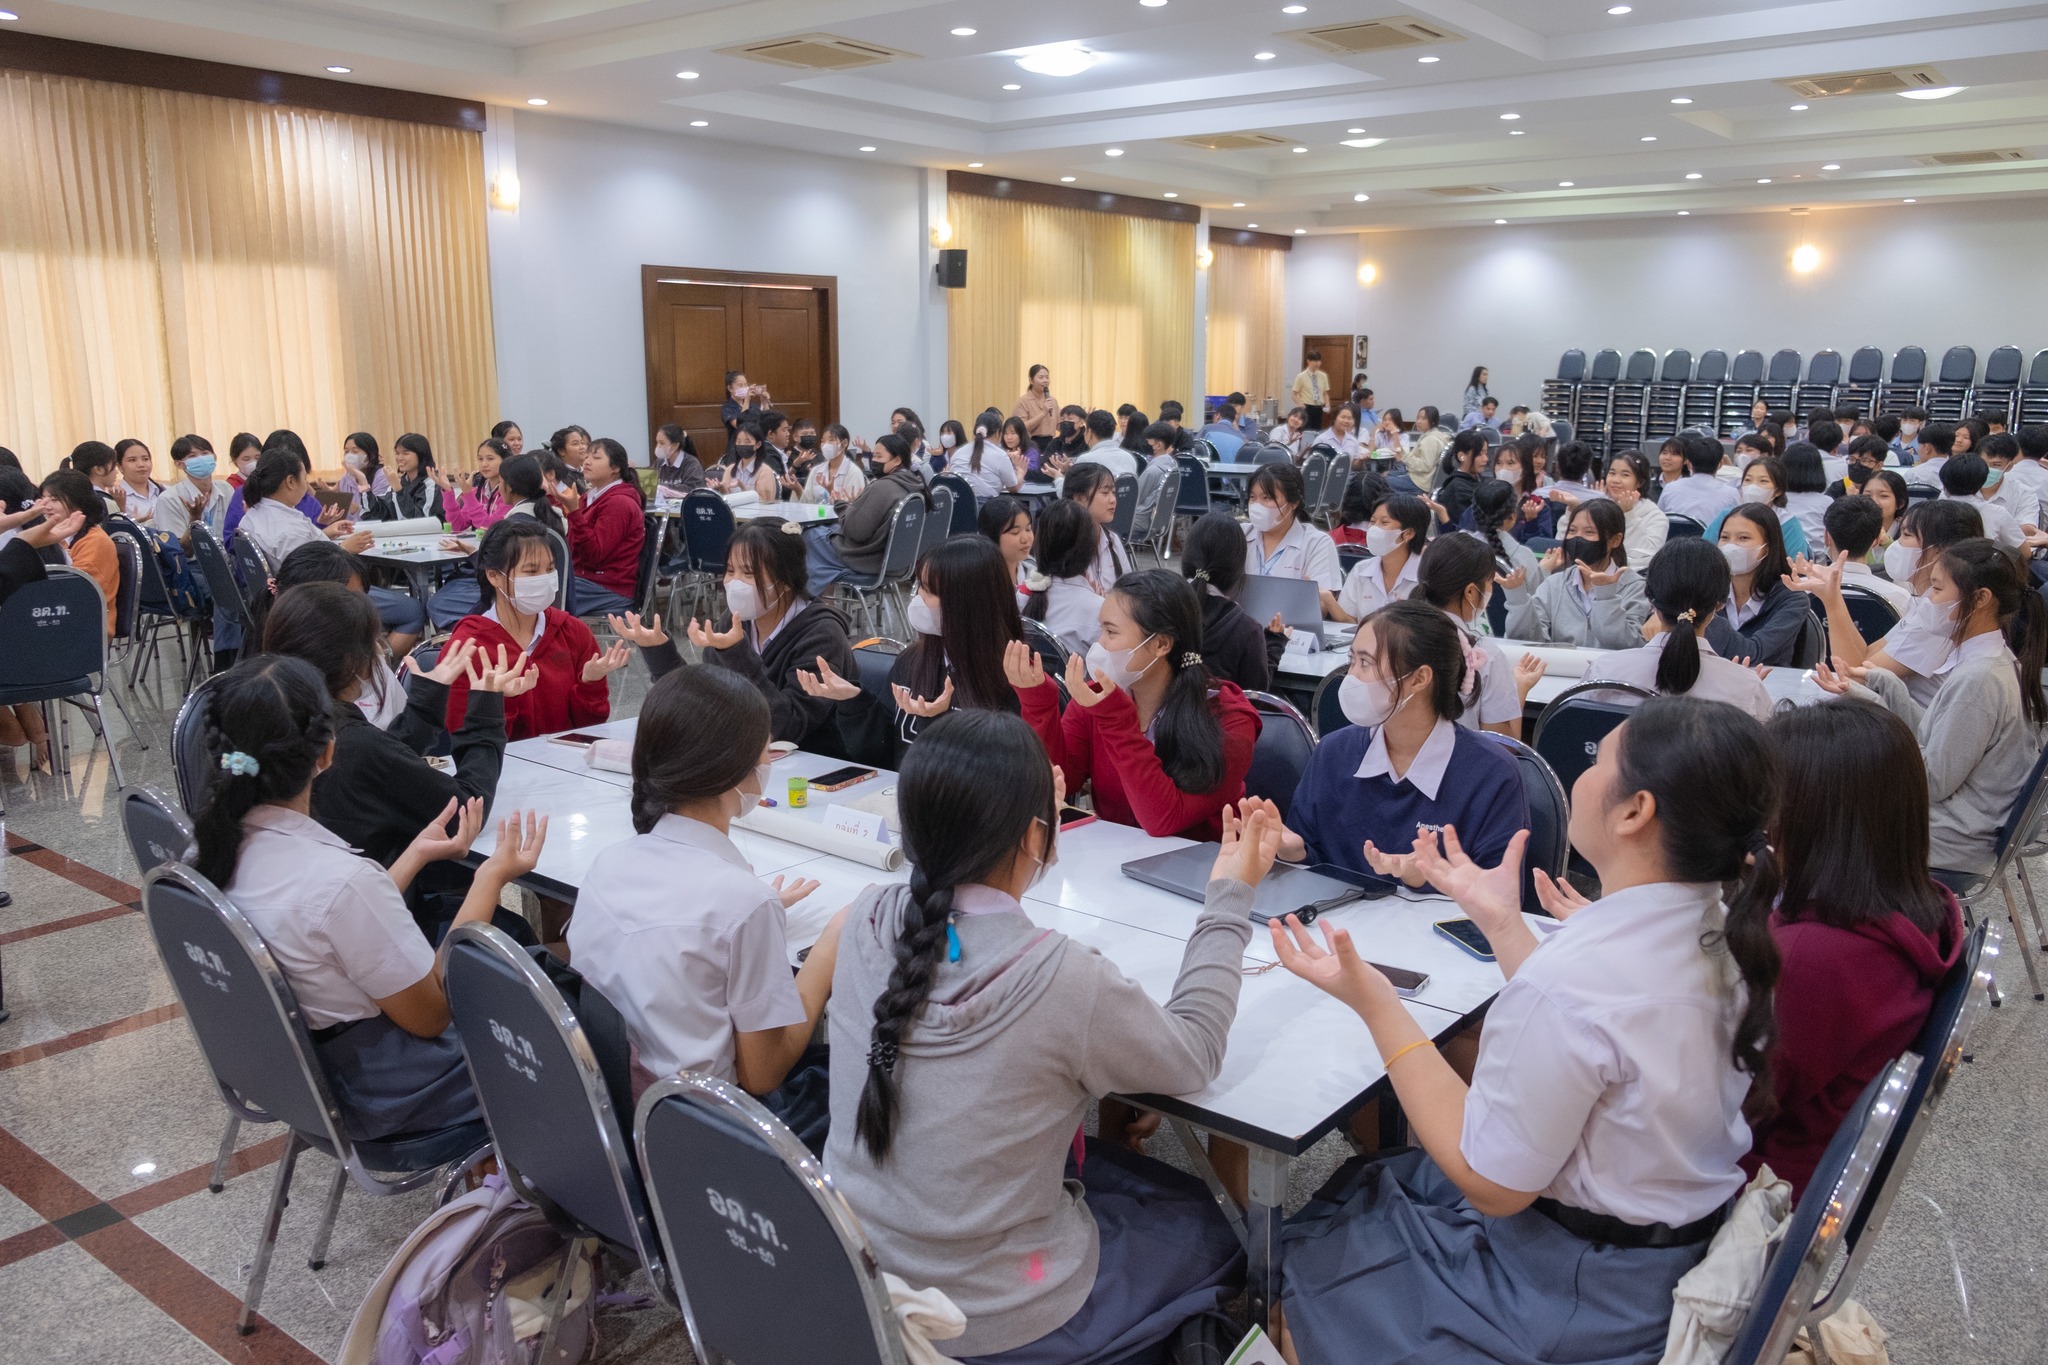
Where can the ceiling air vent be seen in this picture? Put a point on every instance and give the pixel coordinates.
(1234, 142)
(1373, 35)
(1890, 82)
(1463, 191)
(1973, 158)
(818, 52)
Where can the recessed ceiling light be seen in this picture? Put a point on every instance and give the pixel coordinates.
(1618, 9)
(1294, 9)
(1798, 108)
(1172, 194)
(1238, 205)
(1112, 151)
(1354, 131)
(1066, 180)
(1509, 118)
(1360, 198)
(1831, 166)
(146, 1167)
(1650, 139)
(975, 165)
(8, 16)
(1765, 181)
(686, 75)
(1940, 92)
(867, 149)
(1152, 4)
(1500, 222)
(1692, 175)
(1516, 132)
(1057, 59)
(964, 32)
(1299, 150)
(1427, 60)
(1682, 99)
(536, 102)
(1013, 87)
(1911, 201)
(341, 70)
(1255, 224)
(1263, 56)
(1685, 213)
(1301, 232)
(1565, 184)
(1363, 141)
(700, 123)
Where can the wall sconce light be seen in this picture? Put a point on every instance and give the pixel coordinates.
(505, 191)
(1204, 258)
(1368, 273)
(942, 233)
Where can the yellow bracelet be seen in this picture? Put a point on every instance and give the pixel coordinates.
(1388, 1065)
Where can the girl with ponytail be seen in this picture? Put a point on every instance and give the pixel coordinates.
(677, 931)
(955, 1008)
(1057, 593)
(1166, 747)
(1594, 1153)
(1687, 584)
(1981, 732)
(1457, 579)
(368, 983)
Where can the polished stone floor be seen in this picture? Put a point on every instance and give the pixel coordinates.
(113, 1251)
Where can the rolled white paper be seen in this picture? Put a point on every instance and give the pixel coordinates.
(610, 756)
(796, 829)
(747, 498)
(395, 530)
(1558, 661)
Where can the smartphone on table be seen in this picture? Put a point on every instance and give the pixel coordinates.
(1407, 984)
(575, 739)
(1467, 936)
(840, 778)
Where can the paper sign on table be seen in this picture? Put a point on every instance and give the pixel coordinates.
(860, 824)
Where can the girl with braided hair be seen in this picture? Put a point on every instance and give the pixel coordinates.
(677, 931)
(370, 988)
(955, 1007)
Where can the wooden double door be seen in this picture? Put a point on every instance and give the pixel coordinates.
(780, 329)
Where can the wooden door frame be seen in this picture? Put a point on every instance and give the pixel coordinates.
(652, 276)
(1338, 396)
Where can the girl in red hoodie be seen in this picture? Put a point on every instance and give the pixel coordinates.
(1864, 934)
(1165, 746)
(518, 584)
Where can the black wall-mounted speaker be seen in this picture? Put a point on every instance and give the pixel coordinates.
(953, 268)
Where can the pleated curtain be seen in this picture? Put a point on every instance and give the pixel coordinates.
(1247, 321)
(175, 263)
(1105, 300)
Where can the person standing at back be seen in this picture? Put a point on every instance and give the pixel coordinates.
(1311, 391)
(1036, 407)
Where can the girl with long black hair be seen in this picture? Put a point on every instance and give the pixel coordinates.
(1765, 618)
(1235, 648)
(1057, 594)
(1687, 585)
(369, 986)
(1094, 487)
(954, 1006)
(417, 492)
(1457, 578)
(1165, 748)
(1551, 1204)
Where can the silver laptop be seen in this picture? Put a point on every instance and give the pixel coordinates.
(1297, 600)
(1287, 890)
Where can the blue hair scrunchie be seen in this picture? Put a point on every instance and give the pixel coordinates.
(240, 764)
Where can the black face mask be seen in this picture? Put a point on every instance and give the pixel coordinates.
(1067, 431)
(809, 441)
(741, 454)
(1585, 549)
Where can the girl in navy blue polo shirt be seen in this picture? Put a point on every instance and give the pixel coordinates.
(1404, 761)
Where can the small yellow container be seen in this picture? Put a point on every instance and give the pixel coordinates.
(799, 792)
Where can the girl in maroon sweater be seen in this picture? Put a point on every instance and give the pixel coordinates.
(516, 576)
(1864, 933)
(1165, 747)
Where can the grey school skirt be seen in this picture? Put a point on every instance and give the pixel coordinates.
(389, 1082)
(1389, 1264)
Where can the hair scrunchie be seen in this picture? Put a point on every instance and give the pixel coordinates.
(882, 1055)
(239, 764)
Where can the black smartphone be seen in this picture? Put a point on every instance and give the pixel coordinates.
(575, 739)
(1466, 935)
(1407, 984)
(840, 778)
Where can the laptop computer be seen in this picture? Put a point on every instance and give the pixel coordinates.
(1297, 600)
(1305, 890)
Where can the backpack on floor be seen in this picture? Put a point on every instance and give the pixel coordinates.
(472, 1286)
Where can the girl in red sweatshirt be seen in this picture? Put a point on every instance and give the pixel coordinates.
(1165, 746)
(518, 582)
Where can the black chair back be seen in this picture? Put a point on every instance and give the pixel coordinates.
(157, 831)
(2037, 373)
(1606, 367)
(1748, 368)
(220, 576)
(1812, 645)
(745, 1213)
(565, 568)
(1327, 707)
(53, 638)
(254, 568)
(543, 1093)
(1921, 492)
(1682, 526)
(938, 522)
(189, 763)
(707, 530)
(1281, 753)
(1713, 368)
(1866, 366)
(1126, 505)
(1051, 650)
(2002, 367)
(1568, 735)
(1824, 368)
(1677, 368)
(1194, 487)
(964, 505)
(1873, 615)
(1958, 365)
(1909, 366)
(1784, 368)
(1549, 817)
(1571, 366)
(1641, 368)
(128, 556)
(906, 540)
(874, 664)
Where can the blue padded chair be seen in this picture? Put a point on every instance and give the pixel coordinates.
(1327, 707)
(1194, 487)
(1873, 615)
(1569, 732)
(221, 583)
(875, 593)
(1682, 526)
(1549, 818)
(1126, 506)
(189, 765)
(1282, 751)
(964, 503)
(53, 647)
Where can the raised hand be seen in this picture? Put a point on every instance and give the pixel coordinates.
(1557, 896)
(518, 847)
(437, 842)
(1553, 560)
(1590, 577)
(1492, 896)
(630, 627)
(330, 516)
(825, 683)
(1402, 867)
(357, 543)
(1022, 666)
(795, 890)
(53, 530)
(1250, 844)
(1080, 690)
(1529, 670)
(1823, 580)
(1336, 970)
(509, 675)
(705, 636)
(1840, 678)
(566, 494)
(1292, 849)
(1515, 579)
(918, 706)
(607, 663)
(453, 663)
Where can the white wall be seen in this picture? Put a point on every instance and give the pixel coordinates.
(1514, 298)
(598, 201)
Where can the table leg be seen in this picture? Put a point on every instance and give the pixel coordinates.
(1268, 1190)
(1198, 1157)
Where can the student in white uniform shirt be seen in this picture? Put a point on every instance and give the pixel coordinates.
(273, 520)
(1551, 1205)
(1930, 453)
(1851, 528)
(836, 477)
(1699, 495)
(1094, 487)
(677, 931)
(985, 464)
(1394, 537)
(1456, 577)
(1099, 431)
(1686, 584)
(1279, 540)
(137, 488)
(1806, 490)
(2017, 481)
(1057, 592)
(1962, 480)
(196, 496)
(368, 984)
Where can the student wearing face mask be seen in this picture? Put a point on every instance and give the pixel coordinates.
(861, 537)
(1404, 762)
(1235, 648)
(750, 465)
(1763, 485)
(197, 495)
(517, 583)
(242, 453)
(1456, 578)
(1763, 619)
(1394, 538)
(837, 477)
(1279, 540)
(952, 437)
(1964, 479)
(677, 471)
(1687, 587)
(954, 1007)
(1057, 593)
(1590, 596)
(1165, 747)
(741, 401)
(702, 979)
(1982, 730)
(362, 471)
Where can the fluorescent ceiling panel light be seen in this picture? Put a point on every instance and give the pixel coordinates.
(686, 75)
(1057, 59)
(1363, 141)
(1939, 92)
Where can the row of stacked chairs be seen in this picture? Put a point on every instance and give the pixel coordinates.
(1619, 404)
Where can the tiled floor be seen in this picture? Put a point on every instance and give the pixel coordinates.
(112, 1250)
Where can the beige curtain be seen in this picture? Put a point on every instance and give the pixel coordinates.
(1247, 321)
(174, 263)
(1104, 300)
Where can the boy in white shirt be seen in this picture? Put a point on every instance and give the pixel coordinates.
(2018, 481)
(1936, 440)
(1963, 478)
(1853, 524)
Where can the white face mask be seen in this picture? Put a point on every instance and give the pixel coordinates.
(1117, 663)
(1051, 858)
(1367, 703)
(247, 466)
(1741, 558)
(352, 458)
(829, 449)
(946, 439)
(750, 799)
(743, 599)
(534, 593)
(1756, 492)
(1264, 516)
(1909, 429)
(1381, 540)
(1932, 617)
(1901, 561)
(924, 617)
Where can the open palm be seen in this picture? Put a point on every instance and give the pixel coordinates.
(1492, 896)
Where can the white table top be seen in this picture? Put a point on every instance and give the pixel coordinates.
(1233, 468)
(756, 511)
(1296, 1060)
(413, 550)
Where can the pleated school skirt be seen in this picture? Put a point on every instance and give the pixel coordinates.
(388, 1081)
(1389, 1264)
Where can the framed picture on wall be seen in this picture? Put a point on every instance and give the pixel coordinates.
(1360, 347)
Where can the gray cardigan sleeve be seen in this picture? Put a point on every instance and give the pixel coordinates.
(1531, 619)
(1135, 1045)
(1619, 610)
(1956, 731)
